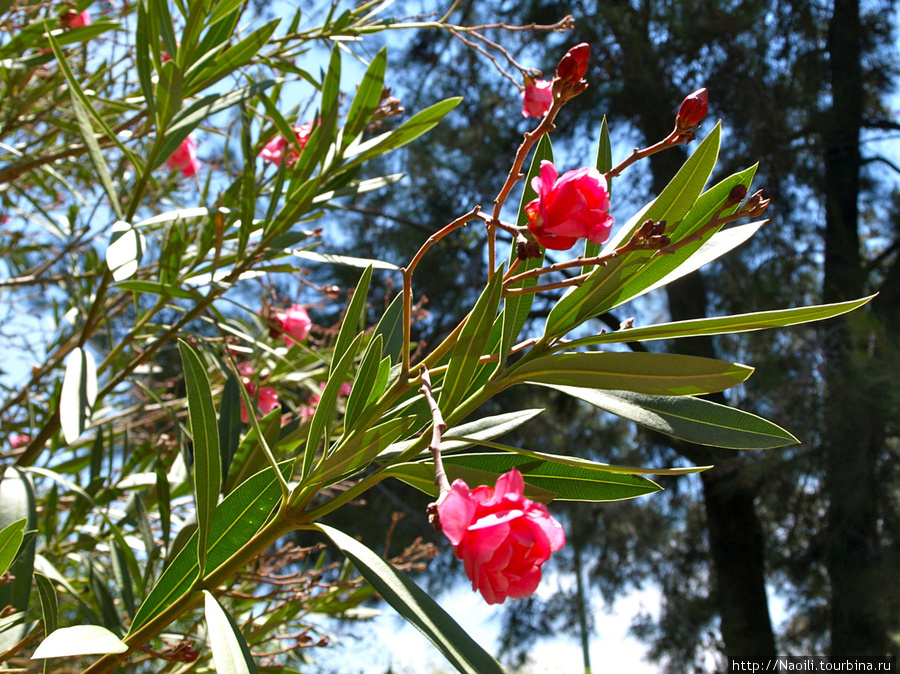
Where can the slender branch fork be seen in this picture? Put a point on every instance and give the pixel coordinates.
(408, 271)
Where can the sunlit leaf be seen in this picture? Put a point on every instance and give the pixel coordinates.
(79, 640)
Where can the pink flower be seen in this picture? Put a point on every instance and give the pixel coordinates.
(17, 440)
(274, 149)
(692, 110)
(502, 537)
(568, 208)
(184, 159)
(295, 324)
(267, 401)
(573, 66)
(72, 19)
(537, 97)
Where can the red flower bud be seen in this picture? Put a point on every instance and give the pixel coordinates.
(574, 64)
(692, 111)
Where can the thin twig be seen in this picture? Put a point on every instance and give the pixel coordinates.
(438, 428)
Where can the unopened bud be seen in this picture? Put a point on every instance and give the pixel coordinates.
(737, 195)
(692, 111)
(755, 206)
(574, 64)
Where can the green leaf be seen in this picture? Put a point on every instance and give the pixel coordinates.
(550, 479)
(238, 518)
(327, 406)
(79, 391)
(354, 319)
(95, 154)
(343, 260)
(226, 62)
(465, 435)
(143, 62)
(125, 250)
(49, 607)
(470, 344)
(649, 373)
(415, 126)
(367, 98)
(725, 325)
(229, 421)
(594, 295)
(517, 307)
(692, 419)
(390, 327)
(78, 92)
(49, 602)
(604, 164)
(229, 650)
(720, 243)
(79, 640)
(10, 539)
(205, 434)
(661, 265)
(162, 289)
(168, 92)
(357, 451)
(415, 606)
(365, 390)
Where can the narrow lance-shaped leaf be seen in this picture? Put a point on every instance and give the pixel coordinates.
(724, 325)
(229, 650)
(79, 391)
(545, 478)
(79, 640)
(49, 607)
(693, 419)
(205, 434)
(649, 373)
(367, 98)
(125, 250)
(353, 318)
(469, 347)
(325, 409)
(604, 164)
(415, 606)
(10, 539)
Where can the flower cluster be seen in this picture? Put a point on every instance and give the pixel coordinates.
(569, 207)
(184, 159)
(274, 150)
(293, 324)
(502, 537)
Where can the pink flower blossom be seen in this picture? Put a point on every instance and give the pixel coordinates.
(537, 97)
(569, 208)
(267, 401)
(184, 159)
(274, 149)
(502, 537)
(294, 323)
(73, 19)
(692, 110)
(17, 440)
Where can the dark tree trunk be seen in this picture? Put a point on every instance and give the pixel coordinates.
(735, 533)
(853, 430)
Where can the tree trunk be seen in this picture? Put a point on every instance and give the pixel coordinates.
(852, 442)
(735, 533)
